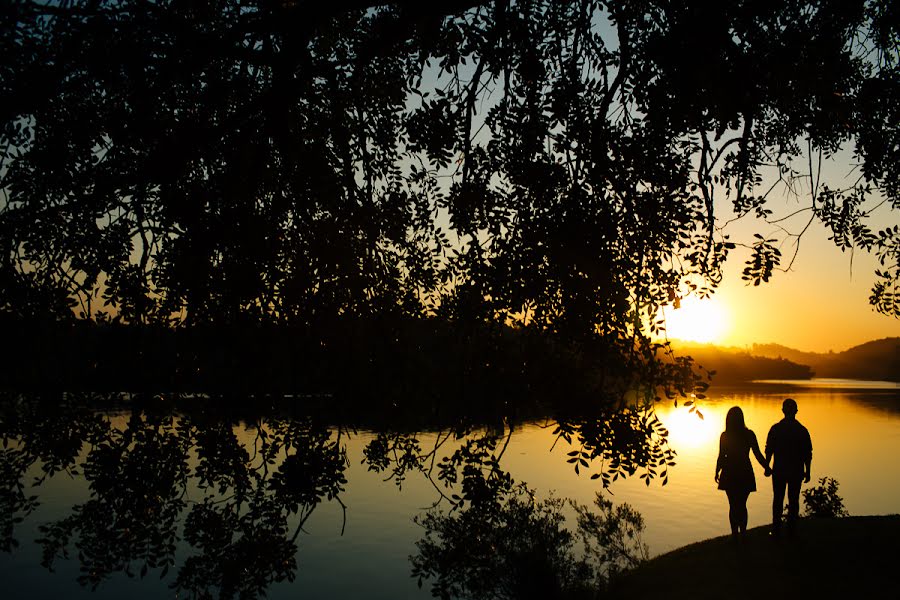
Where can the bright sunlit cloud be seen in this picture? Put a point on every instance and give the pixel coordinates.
(705, 321)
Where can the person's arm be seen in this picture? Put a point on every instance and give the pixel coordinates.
(807, 462)
(754, 445)
(721, 459)
(770, 448)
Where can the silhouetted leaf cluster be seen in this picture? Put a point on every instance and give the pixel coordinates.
(551, 163)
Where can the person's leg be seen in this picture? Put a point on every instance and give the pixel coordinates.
(793, 500)
(778, 486)
(742, 515)
(733, 510)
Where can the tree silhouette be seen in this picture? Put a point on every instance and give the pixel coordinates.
(555, 164)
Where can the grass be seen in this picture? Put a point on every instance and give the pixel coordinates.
(854, 557)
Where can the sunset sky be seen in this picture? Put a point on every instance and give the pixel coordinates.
(821, 304)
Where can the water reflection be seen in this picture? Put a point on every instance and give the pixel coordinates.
(852, 431)
(157, 481)
(237, 485)
(214, 500)
(686, 431)
(516, 547)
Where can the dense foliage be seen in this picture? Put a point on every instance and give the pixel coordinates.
(554, 164)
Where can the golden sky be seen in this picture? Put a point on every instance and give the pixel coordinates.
(821, 304)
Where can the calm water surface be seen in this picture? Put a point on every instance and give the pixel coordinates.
(855, 428)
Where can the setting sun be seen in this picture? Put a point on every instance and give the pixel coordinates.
(697, 320)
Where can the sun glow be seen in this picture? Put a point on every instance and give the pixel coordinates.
(695, 320)
(688, 430)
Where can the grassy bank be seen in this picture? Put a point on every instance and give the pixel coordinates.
(826, 558)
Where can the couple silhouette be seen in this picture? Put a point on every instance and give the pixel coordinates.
(790, 445)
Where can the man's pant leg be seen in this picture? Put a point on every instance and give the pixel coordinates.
(793, 499)
(779, 484)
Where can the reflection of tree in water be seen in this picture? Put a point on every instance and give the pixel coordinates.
(496, 540)
(614, 445)
(514, 547)
(45, 433)
(168, 477)
(137, 478)
(244, 538)
(141, 485)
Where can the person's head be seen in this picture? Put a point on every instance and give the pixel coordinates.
(789, 408)
(734, 420)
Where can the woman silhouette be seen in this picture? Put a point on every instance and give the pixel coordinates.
(734, 473)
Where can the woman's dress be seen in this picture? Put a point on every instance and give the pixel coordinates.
(734, 461)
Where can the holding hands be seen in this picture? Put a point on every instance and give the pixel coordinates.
(768, 471)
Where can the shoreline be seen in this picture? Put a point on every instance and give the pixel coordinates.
(850, 557)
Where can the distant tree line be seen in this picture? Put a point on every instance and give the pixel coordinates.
(365, 365)
(875, 360)
(733, 366)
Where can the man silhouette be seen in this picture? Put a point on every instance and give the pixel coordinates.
(789, 442)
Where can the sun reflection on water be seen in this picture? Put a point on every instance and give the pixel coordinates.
(688, 430)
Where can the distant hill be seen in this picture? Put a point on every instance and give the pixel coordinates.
(878, 360)
(734, 365)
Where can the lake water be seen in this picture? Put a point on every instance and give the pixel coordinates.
(364, 551)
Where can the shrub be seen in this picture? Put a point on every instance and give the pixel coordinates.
(823, 500)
